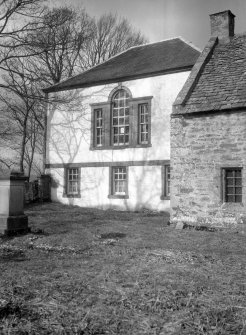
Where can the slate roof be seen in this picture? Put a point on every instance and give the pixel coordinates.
(221, 84)
(137, 62)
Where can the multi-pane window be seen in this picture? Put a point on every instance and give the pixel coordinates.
(167, 180)
(122, 121)
(119, 181)
(72, 181)
(98, 127)
(232, 190)
(143, 123)
(120, 118)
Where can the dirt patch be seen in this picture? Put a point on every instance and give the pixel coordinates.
(12, 254)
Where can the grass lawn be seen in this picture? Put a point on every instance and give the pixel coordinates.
(88, 272)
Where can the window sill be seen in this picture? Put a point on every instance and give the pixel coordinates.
(114, 196)
(111, 147)
(227, 203)
(163, 197)
(71, 195)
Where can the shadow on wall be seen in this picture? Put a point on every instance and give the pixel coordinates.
(69, 129)
(145, 183)
(67, 126)
(148, 179)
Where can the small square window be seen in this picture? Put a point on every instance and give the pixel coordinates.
(118, 182)
(232, 185)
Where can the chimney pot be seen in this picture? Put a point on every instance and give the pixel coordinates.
(222, 24)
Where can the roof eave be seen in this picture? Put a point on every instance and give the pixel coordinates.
(56, 88)
(208, 111)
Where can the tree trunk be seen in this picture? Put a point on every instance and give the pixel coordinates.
(23, 146)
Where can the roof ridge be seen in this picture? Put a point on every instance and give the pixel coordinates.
(141, 45)
(190, 44)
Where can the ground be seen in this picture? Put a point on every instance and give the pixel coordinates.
(88, 272)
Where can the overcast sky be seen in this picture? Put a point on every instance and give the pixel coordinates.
(163, 19)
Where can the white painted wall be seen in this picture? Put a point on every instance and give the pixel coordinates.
(144, 189)
(69, 137)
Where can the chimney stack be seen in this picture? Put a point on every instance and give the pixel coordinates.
(222, 25)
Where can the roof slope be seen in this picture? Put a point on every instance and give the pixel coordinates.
(222, 82)
(137, 62)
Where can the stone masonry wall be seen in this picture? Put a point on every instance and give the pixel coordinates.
(200, 147)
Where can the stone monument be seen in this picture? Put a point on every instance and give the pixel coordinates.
(12, 197)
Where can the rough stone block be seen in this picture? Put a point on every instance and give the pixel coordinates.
(179, 225)
(222, 137)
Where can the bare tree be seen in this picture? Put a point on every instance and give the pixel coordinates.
(68, 42)
(6, 161)
(54, 49)
(49, 56)
(58, 43)
(112, 35)
(20, 106)
(34, 145)
(16, 19)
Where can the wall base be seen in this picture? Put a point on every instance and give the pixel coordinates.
(210, 224)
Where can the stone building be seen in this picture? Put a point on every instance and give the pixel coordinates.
(208, 133)
(112, 150)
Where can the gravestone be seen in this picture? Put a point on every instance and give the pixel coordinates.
(12, 197)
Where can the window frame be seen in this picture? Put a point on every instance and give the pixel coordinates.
(112, 194)
(107, 113)
(95, 111)
(148, 123)
(165, 181)
(66, 192)
(125, 125)
(224, 185)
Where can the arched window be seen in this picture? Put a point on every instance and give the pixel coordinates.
(123, 121)
(120, 118)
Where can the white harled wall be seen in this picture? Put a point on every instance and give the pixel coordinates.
(69, 137)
